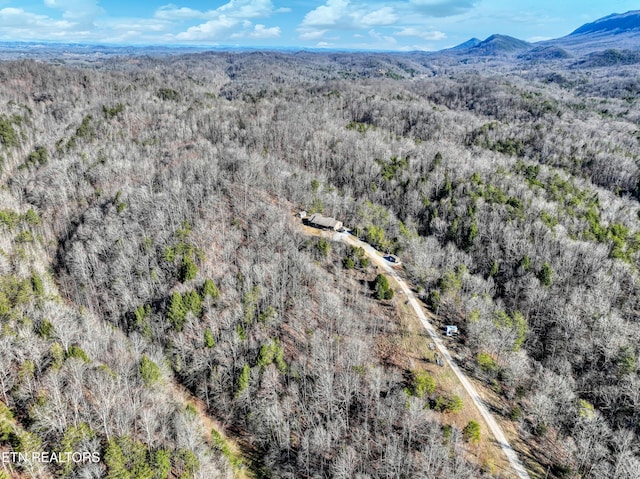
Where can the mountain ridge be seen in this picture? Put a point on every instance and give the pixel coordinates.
(614, 23)
(614, 31)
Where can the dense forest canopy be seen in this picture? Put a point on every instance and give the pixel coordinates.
(147, 244)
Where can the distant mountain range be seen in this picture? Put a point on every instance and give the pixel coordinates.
(618, 31)
(494, 45)
(613, 24)
(611, 40)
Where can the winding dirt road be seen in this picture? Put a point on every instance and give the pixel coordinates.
(491, 422)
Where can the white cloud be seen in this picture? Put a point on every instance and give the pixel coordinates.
(328, 23)
(137, 25)
(386, 40)
(78, 20)
(172, 12)
(344, 15)
(383, 16)
(211, 30)
(15, 23)
(420, 33)
(442, 8)
(329, 14)
(260, 31)
(364, 15)
(247, 8)
(381, 24)
(234, 9)
(77, 10)
(387, 24)
(538, 39)
(417, 48)
(311, 35)
(231, 20)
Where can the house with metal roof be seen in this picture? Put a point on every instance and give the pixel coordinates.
(325, 222)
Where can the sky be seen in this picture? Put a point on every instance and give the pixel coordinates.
(329, 24)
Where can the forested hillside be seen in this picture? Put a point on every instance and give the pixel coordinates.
(147, 240)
